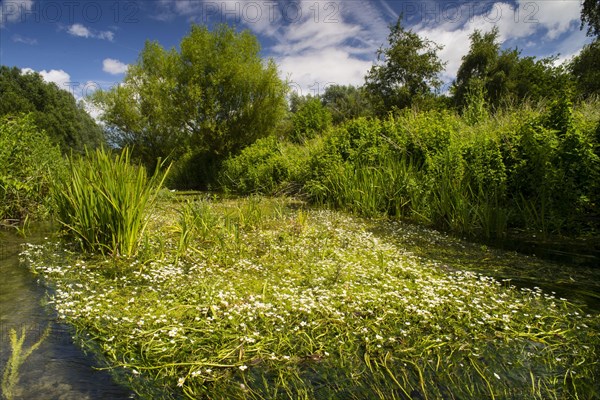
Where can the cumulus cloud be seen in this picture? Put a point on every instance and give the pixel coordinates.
(57, 76)
(80, 30)
(14, 11)
(311, 72)
(114, 67)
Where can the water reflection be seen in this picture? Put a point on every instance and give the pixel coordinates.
(57, 369)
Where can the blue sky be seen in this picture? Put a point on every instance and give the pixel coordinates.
(81, 45)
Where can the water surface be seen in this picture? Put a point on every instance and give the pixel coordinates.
(58, 369)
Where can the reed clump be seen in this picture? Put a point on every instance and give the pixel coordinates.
(104, 201)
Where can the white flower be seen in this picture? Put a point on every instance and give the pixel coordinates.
(180, 381)
(243, 367)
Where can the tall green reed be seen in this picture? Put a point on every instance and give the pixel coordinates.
(104, 201)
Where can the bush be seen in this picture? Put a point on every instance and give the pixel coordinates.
(309, 120)
(194, 171)
(268, 166)
(28, 165)
(525, 169)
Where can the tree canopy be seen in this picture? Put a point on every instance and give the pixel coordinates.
(214, 95)
(590, 16)
(345, 102)
(585, 68)
(54, 110)
(408, 70)
(503, 75)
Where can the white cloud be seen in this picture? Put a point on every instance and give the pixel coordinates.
(80, 30)
(57, 76)
(312, 72)
(24, 39)
(113, 66)
(107, 35)
(337, 41)
(14, 11)
(541, 23)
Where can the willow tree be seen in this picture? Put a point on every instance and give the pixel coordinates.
(213, 95)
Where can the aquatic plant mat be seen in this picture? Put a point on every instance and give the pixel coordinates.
(264, 299)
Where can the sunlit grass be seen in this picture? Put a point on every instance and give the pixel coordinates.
(263, 298)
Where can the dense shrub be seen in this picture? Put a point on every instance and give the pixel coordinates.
(28, 164)
(194, 170)
(524, 169)
(310, 119)
(268, 166)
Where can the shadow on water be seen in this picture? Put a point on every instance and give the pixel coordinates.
(58, 369)
(576, 281)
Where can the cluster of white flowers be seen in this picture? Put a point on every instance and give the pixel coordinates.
(336, 283)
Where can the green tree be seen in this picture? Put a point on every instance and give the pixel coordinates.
(482, 55)
(590, 16)
(345, 102)
(54, 110)
(213, 96)
(503, 75)
(310, 119)
(585, 69)
(407, 72)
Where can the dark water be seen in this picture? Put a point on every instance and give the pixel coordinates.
(572, 274)
(57, 369)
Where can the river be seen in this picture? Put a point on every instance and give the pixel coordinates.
(57, 369)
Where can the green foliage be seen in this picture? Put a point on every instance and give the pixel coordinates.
(476, 108)
(194, 171)
(590, 16)
(585, 69)
(504, 77)
(407, 73)
(104, 201)
(268, 166)
(310, 119)
(554, 172)
(215, 95)
(54, 110)
(526, 169)
(28, 164)
(345, 102)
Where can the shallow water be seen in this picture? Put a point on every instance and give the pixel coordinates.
(58, 369)
(578, 282)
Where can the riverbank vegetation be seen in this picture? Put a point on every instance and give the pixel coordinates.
(29, 163)
(265, 298)
(322, 290)
(533, 169)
